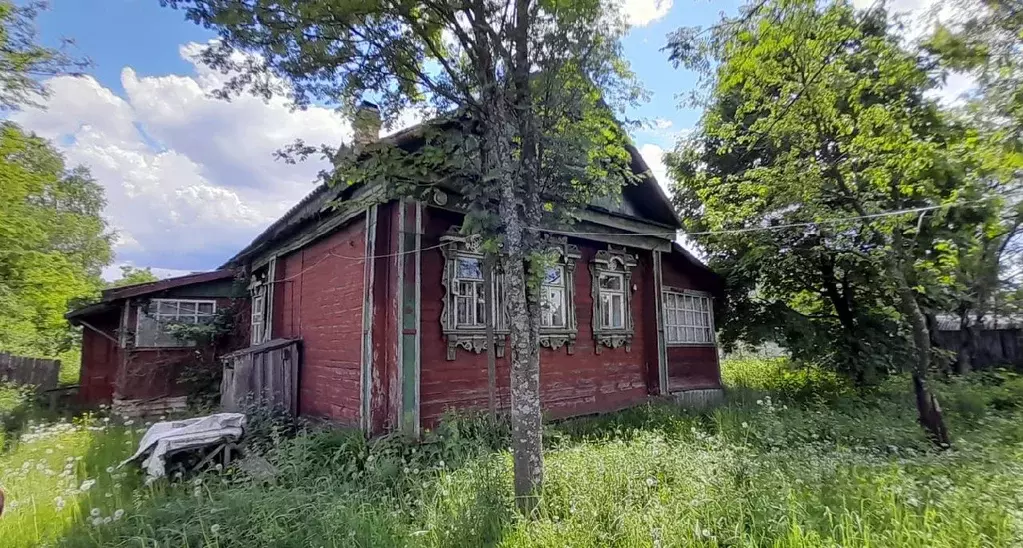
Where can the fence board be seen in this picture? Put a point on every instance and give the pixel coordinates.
(24, 370)
(266, 374)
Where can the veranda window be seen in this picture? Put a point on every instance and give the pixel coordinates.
(688, 318)
(153, 326)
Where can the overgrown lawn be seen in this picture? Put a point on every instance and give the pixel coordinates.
(795, 458)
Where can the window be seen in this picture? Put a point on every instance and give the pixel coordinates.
(153, 328)
(258, 314)
(612, 298)
(557, 296)
(470, 302)
(687, 318)
(552, 298)
(464, 319)
(261, 301)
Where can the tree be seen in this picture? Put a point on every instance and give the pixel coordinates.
(132, 275)
(528, 88)
(985, 40)
(23, 62)
(53, 242)
(817, 129)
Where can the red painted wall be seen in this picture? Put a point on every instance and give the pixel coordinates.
(320, 300)
(690, 367)
(577, 384)
(150, 373)
(101, 359)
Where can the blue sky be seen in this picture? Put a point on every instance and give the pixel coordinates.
(191, 179)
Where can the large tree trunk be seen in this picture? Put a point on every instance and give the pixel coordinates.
(928, 408)
(488, 290)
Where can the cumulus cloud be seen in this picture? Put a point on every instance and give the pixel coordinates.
(189, 179)
(640, 13)
(654, 157)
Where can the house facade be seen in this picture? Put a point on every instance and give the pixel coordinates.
(391, 303)
(388, 298)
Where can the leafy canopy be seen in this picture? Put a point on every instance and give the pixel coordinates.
(816, 117)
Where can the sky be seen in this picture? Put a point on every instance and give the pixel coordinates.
(190, 179)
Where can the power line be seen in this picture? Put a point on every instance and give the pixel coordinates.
(761, 228)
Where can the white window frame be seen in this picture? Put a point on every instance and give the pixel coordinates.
(617, 262)
(474, 298)
(688, 317)
(152, 309)
(261, 291)
(257, 322)
(606, 319)
(554, 297)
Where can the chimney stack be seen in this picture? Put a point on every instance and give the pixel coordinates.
(366, 125)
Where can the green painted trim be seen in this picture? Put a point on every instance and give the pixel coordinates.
(408, 326)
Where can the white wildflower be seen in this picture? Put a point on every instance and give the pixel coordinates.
(87, 484)
(96, 522)
(745, 424)
(94, 512)
(215, 528)
(110, 469)
(118, 514)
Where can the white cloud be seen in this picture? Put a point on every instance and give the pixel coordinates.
(639, 13)
(189, 179)
(654, 157)
(662, 124)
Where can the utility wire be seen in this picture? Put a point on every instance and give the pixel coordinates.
(760, 228)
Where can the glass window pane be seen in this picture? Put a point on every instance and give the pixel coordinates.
(186, 309)
(554, 276)
(206, 308)
(468, 268)
(617, 311)
(461, 311)
(165, 308)
(611, 282)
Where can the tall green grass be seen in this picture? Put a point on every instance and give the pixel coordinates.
(793, 460)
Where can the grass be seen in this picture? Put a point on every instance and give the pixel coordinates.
(795, 459)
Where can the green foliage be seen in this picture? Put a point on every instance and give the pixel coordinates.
(777, 472)
(789, 381)
(23, 62)
(132, 275)
(53, 243)
(818, 124)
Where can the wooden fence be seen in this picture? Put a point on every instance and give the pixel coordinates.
(39, 372)
(266, 374)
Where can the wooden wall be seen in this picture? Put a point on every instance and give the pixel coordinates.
(319, 299)
(582, 383)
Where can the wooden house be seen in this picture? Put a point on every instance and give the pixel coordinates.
(386, 298)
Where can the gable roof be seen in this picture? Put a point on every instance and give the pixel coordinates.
(117, 293)
(647, 195)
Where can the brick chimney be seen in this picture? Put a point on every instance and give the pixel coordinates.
(366, 125)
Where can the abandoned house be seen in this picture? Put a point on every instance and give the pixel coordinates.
(385, 299)
(131, 359)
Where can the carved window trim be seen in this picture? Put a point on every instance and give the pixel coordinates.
(612, 261)
(555, 337)
(471, 338)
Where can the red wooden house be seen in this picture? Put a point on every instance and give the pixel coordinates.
(386, 297)
(129, 357)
